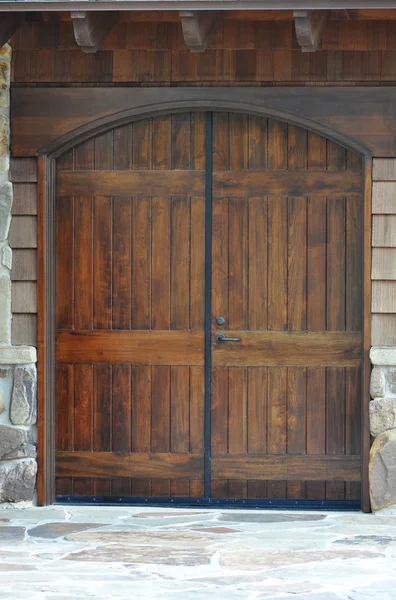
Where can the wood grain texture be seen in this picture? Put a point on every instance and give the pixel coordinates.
(23, 232)
(122, 183)
(137, 347)
(25, 199)
(24, 297)
(383, 297)
(24, 265)
(384, 231)
(352, 114)
(383, 329)
(383, 264)
(24, 330)
(139, 464)
(314, 468)
(297, 348)
(384, 198)
(384, 169)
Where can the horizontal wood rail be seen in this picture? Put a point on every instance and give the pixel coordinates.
(285, 467)
(133, 347)
(136, 464)
(286, 183)
(131, 183)
(286, 349)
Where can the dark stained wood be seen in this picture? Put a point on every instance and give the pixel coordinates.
(92, 28)
(354, 115)
(289, 183)
(198, 28)
(309, 25)
(154, 183)
(138, 347)
(136, 464)
(274, 467)
(291, 348)
(9, 24)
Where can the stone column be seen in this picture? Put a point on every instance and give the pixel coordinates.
(18, 380)
(382, 409)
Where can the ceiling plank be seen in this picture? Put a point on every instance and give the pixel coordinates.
(9, 23)
(309, 25)
(198, 28)
(91, 29)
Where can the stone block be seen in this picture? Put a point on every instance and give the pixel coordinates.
(382, 471)
(377, 383)
(5, 309)
(383, 356)
(23, 409)
(382, 415)
(17, 480)
(392, 380)
(15, 443)
(5, 204)
(5, 60)
(4, 138)
(6, 257)
(17, 355)
(2, 409)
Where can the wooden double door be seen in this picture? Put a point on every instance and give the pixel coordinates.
(175, 230)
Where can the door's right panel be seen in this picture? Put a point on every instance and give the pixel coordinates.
(286, 277)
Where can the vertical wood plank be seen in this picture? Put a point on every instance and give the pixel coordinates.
(257, 385)
(220, 261)
(160, 421)
(141, 147)
(257, 264)
(141, 421)
(276, 418)
(102, 404)
(258, 132)
(335, 425)
(180, 261)
(237, 273)
(277, 145)
(82, 413)
(83, 281)
(277, 263)
(161, 142)
(239, 141)
(353, 252)
(160, 264)
(64, 406)
(146, 264)
(297, 264)
(296, 423)
(335, 264)
(181, 140)
(316, 264)
(197, 264)
(121, 264)
(64, 284)
(102, 262)
(221, 146)
(219, 423)
(121, 424)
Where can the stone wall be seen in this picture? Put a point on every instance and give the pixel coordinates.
(18, 379)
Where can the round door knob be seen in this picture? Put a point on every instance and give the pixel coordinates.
(220, 321)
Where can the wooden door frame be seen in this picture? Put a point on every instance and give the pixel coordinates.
(45, 276)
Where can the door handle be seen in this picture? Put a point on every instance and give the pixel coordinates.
(221, 338)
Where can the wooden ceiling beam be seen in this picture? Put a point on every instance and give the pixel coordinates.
(9, 23)
(198, 28)
(309, 25)
(91, 29)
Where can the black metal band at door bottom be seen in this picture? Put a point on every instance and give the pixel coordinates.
(206, 501)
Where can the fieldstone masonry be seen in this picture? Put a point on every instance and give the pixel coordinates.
(18, 378)
(383, 427)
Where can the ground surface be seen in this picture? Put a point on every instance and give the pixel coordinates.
(68, 553)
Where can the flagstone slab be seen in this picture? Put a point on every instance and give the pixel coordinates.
(55, 530)
(252, 517)
(11, 534)
(143, 554)
(176, 538)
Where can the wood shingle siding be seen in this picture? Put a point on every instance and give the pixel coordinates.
(383, 268)
(23, 240)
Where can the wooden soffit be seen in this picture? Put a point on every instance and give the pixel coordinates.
(44, 120)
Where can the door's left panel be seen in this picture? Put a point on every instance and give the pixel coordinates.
(129, 259)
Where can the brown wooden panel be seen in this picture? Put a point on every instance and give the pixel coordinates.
(287, 183)
(24, 330)
(141, 254)
(137, 347)
(24, 265)
(277, 264)
(25, 199)
(384, 231)
(271, 468)
(297, 348)
(23, 170)
(120, 295)
(137, 464)
(23, 232)
(125, 183)
(355, 113)
(24, 297)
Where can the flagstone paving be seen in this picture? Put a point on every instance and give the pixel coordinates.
(120, 553)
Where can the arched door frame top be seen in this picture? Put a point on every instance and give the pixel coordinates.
(46, 195)
(97, 126)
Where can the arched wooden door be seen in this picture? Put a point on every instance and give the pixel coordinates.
(171, 232)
